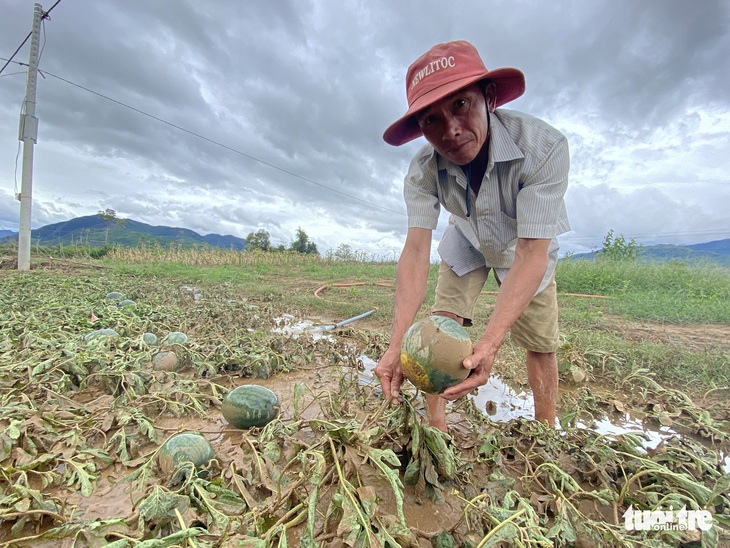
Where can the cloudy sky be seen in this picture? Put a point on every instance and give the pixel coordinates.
(229, 117)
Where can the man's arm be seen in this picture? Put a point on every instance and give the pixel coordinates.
(515, 294)
(410, 292)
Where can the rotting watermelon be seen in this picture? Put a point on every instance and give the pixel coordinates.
(166, 360)
(250, 405)
(432, 353)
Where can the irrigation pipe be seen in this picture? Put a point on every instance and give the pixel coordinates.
(345, 322)
(584, 295)
(351, 284)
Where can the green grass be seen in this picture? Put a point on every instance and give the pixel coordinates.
(664, 292)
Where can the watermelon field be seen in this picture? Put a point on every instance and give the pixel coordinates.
(103, 362)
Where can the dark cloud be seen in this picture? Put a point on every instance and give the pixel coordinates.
(229, 117)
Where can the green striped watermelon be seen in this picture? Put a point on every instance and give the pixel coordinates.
(250, 405)
(101, 334)
(432, 353)
(176, 337)
(185, 447)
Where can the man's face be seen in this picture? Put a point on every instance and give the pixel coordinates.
(457, 126)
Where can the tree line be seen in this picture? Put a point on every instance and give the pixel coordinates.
(261, 240)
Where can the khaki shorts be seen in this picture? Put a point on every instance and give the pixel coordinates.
(536, 329)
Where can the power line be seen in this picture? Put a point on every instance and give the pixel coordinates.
(217, 143)
(45, 16)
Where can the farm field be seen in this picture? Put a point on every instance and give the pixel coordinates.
(644, 419)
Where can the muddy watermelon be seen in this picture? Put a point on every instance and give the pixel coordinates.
(166, 360)
(432, 353)
(250, 405)
(185, 447)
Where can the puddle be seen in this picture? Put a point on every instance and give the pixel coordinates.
(501, 402)
(289, 325)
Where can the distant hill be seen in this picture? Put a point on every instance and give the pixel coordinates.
(4, 233)
(93, 230)
(717, 251)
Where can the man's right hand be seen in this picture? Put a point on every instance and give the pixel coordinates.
(389, 372)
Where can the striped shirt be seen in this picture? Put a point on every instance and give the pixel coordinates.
(521, 195)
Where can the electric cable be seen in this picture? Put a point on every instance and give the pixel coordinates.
(217, 143)
(43, 17)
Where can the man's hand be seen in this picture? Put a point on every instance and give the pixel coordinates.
(480, 362)
(389, 372)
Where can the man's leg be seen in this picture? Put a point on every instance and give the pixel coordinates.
(542, 372)
(455, 299)
(536, 330)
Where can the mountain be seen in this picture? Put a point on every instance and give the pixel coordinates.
(4, 233)
(95, 231)
(717, 251)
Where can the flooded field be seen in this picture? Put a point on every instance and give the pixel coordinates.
(84, 417)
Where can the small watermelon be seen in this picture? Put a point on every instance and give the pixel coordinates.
(127, 302)
(250, 405)
(176, 337)
(101, 334)
(185, 447)
(432, 353)
(114, 295)
(150, 339)
(166, 361)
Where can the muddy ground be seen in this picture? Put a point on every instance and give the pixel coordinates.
(82, 424)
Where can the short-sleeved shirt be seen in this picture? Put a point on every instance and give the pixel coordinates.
(521, 195)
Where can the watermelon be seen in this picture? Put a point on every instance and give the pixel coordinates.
(126, 302)
(432, 353)
(114, 295)
(185, 447)
(250, 405)
(149, 339)
(166, 361)
(176, 337)
(101, 334)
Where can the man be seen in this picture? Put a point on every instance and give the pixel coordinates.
(502, 175)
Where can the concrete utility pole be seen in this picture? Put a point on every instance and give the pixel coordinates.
(29, 135)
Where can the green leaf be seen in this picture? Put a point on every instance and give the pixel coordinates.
(381, 458)
(159, 506)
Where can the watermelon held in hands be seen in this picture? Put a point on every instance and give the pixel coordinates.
(185, 447)
(432, 353)
(250, 405)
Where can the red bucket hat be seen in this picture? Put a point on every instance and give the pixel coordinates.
(441, 71)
